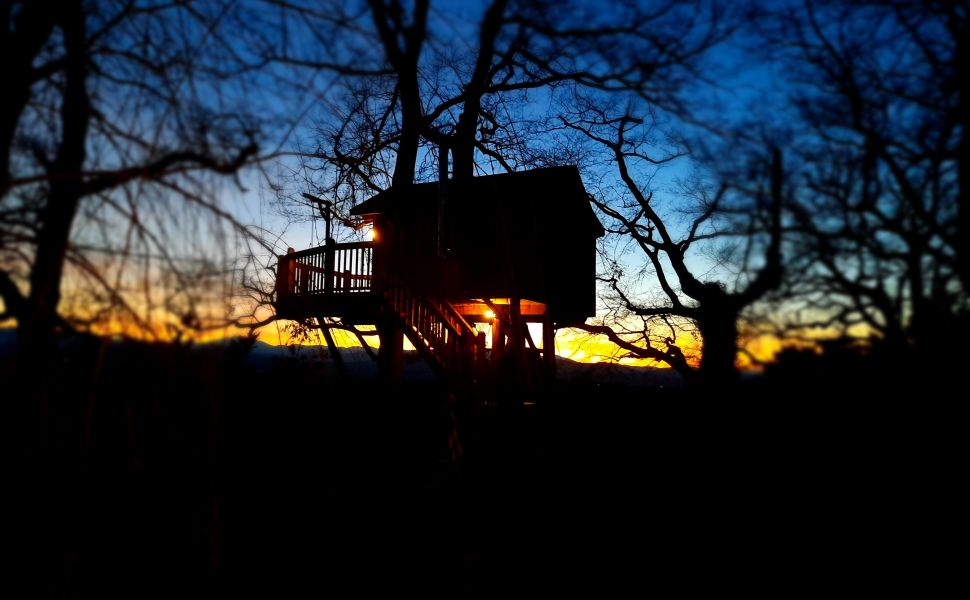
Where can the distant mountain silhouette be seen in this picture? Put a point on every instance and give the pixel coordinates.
(265, 357)
(359, 364)
(617, 375)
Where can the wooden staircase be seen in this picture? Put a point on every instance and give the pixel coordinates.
(347, 281)
(483, 389)
(445, 340)
(452, 348)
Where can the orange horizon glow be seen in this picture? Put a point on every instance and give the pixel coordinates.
(572, 344)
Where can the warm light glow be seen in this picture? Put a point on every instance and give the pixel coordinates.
(371, 235)
(572, 344)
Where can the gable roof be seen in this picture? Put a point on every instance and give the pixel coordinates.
(549, 190)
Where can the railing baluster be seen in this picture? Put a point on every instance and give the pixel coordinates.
(437, 326)
(337, 268)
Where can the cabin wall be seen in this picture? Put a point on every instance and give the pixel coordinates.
(530, 235)
(413, 254)
(507, 249)
(572, 269)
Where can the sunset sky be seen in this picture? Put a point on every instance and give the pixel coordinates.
(254, 201)
(747, 86)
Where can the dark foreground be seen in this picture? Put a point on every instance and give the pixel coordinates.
(196, 476)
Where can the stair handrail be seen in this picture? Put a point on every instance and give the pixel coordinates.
(398, 295)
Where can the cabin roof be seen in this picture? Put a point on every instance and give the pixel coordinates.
(550, 190)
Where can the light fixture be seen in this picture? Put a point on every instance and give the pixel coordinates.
(371, 235)
(489, 314)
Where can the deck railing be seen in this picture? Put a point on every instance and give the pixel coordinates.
(329, 269)
(432, 325)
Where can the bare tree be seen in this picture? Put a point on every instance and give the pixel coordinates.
(467, 88)
(879, 89)
(462, 87)
(122, 116)
(743, 217)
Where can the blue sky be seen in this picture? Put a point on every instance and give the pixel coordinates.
(741, 84)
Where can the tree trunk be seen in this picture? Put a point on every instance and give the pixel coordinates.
(463, 145)
(15, 100)
(388, 20)
(21, 40)
(963, 159)
(925, 316)
(390, 357)
(37, 327)
(407, 150)
(719, 332)
(957, 26)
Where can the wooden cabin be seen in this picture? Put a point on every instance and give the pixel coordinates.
(504, 249)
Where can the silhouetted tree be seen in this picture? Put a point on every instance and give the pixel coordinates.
(744, 216)
(879, 94)
(114, 114)
(489, 105)
(494, 105)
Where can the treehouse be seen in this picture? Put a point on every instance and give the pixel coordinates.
(506, 250)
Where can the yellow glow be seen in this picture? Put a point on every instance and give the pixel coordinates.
(583, 347)
(570, 343)
(371, 235)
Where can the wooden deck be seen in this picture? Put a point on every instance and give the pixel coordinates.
(334, 280)
(343, 281)
(340, 280)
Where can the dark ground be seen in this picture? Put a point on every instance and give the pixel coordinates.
(199, 476)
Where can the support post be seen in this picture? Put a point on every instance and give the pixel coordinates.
(328, 266)
(291, 267)
(515, 320)
(498, 337)
(380, 256)
(285, 274)
(390, 357)
(549, 346)
(338, 359)
(520, 372)
(479, 354)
